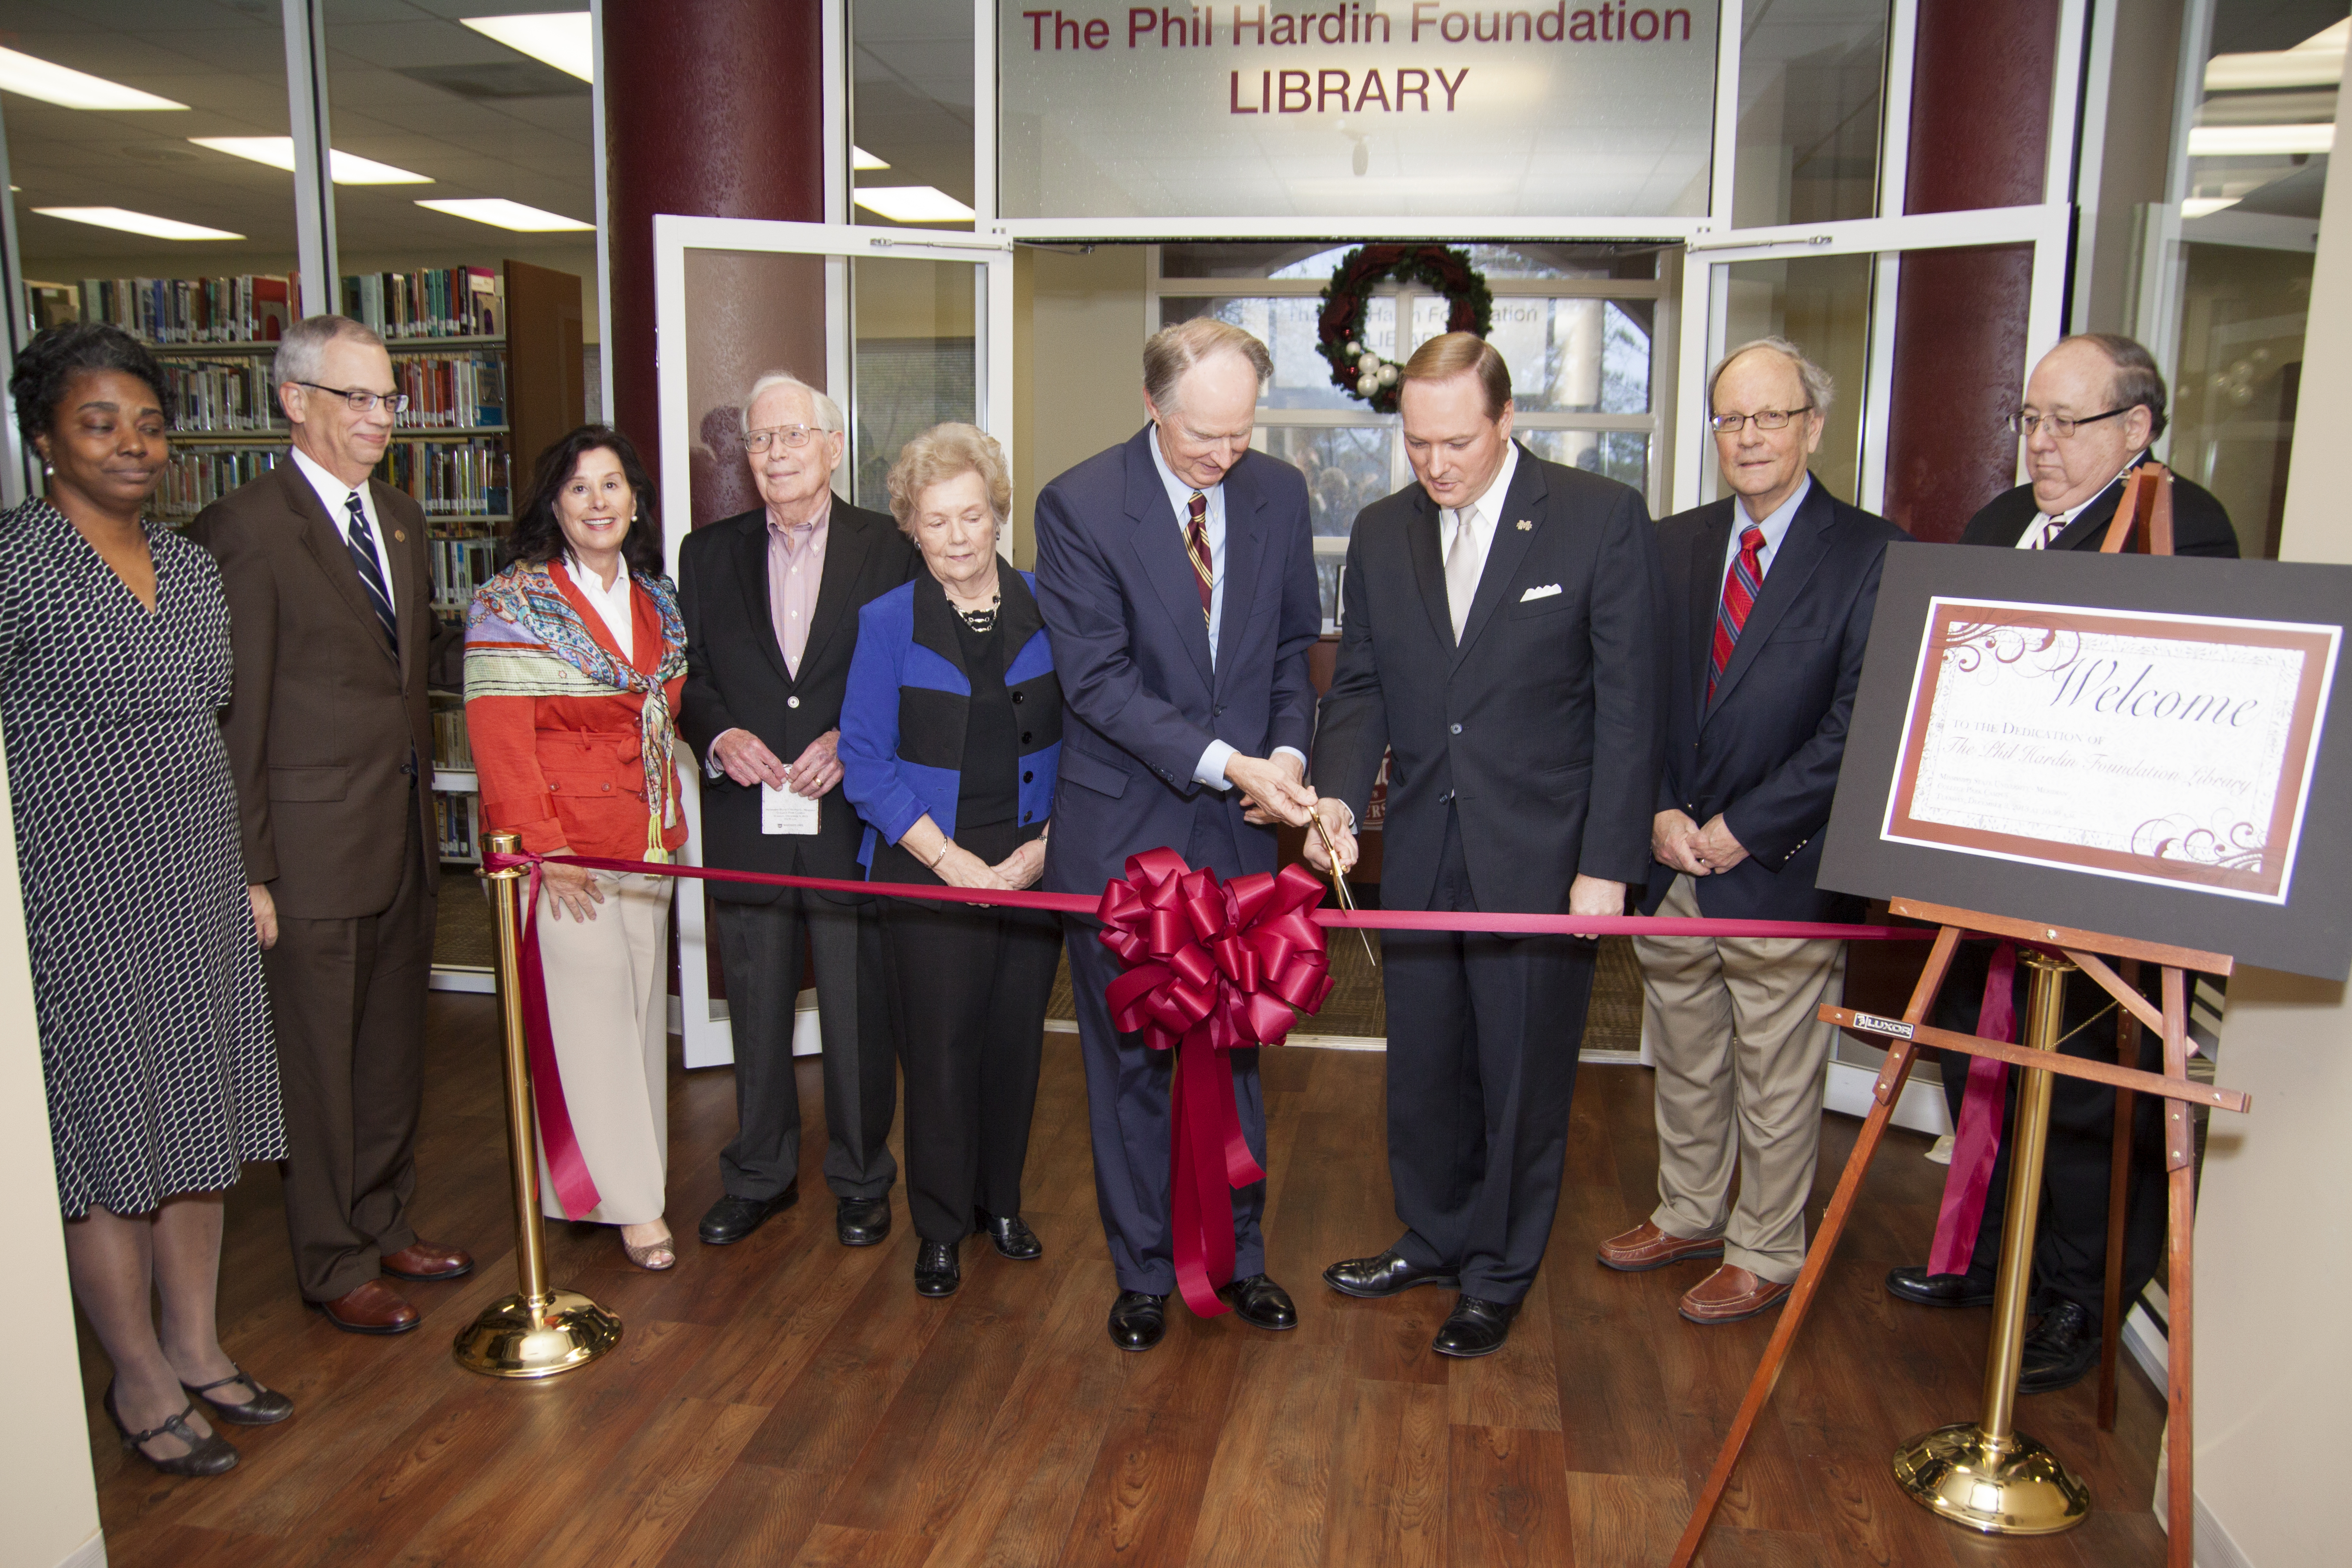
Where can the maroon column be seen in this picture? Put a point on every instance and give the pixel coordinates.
(712, 108)
(1980, 89)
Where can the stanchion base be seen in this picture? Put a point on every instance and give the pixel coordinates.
(518, 1336)
(2016, 1487)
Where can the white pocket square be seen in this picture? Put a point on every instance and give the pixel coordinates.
(1546, 592)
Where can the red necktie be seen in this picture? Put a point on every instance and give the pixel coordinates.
(1196, 545)
(1740, 586)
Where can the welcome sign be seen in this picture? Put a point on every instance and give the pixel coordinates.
(1354, 108)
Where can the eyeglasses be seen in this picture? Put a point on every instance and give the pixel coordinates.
(1765, 419)
(792, 435)
(2060, 427)
(362, 402)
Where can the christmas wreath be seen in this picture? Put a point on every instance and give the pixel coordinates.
(1340, 329)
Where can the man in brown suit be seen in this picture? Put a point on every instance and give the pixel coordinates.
(329, 735)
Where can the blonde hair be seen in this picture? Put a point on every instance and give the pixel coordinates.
(1450, 354)
(942, 452)
(1173, 350)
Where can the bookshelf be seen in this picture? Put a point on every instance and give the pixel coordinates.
(492, 363)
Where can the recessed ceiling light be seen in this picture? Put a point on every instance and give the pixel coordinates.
(2206, 207)
(565, 39)
(69, 88)
(501, 212)
(912, 204)
(277, 152)
(137, 222)
(2258, 140)
(863, 161)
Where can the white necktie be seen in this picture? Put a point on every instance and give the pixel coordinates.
(1462, 564)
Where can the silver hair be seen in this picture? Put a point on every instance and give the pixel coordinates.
(828, 412)
(1820, 390)
(301, 353)
(1173, 350)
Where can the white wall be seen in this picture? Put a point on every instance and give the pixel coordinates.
(48, 1502)
(1077, 367)
(2273, 1249)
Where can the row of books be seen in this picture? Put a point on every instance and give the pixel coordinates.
(198, 476)
(459, 817)
(460, 392)
(222, 395)
(460, 566)
(451, 479)
(437, 302)
(450, 747)
(241, 310)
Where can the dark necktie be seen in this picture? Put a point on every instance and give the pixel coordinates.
(1196, 545)
(362, 540)
(1740, 586)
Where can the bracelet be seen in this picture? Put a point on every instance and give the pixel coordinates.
(945, 845)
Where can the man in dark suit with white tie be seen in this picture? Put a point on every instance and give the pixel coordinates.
(2092, 406)
(1176, 575)
(1768, 598)
(771, 600)
(1499, 633)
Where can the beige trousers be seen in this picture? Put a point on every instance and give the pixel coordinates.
(1740, 1057)
(608, 1006)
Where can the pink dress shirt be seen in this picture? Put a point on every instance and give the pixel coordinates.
(795, 566)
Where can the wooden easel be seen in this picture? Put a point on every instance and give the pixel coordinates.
(2145, 509)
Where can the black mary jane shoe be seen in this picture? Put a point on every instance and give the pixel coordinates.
(1913, 1283)
(1260, 1302)
(1376, 1277)
(266, 1408)
(937, 1271)
(1476, 1327)
(1138, 1321)
(1014, 1240)
(861, 1222)
(206, 1455)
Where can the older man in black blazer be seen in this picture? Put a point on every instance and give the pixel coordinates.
(1768, 598)
(771, 600)
(1499, 633)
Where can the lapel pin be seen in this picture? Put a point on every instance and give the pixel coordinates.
(1525, 527)
(400, 535)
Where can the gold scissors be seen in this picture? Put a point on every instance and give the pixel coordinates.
(1340, 885)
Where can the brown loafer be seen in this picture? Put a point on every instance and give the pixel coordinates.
(1729, 1294)
(428, 1260)
(1646, 1247)
(376, 1308)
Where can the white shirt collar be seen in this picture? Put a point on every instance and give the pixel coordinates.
(332, 491)
(613, 605)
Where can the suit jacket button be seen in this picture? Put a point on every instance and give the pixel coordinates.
(1019, 695)
(1457, 728)
(1028, 778)
(1024, 737)
(792, 701)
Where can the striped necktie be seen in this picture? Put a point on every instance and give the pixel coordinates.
(1196, 545)
(361, 542)
(1740, 586)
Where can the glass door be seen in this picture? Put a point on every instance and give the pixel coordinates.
(902, 332)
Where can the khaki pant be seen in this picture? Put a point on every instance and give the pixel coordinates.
(608, 1010)
(1741, 1057)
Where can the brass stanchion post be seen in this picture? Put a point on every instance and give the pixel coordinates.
(1986, 1473)
(538, 1332)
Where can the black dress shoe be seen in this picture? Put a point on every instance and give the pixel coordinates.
(1012, 1239)
(1260, 1302)
(206, 1455)
(1476, 1327)
(937, 1271)
(1373, 1278)
(2061, 1351)
(1137, 1321)
(266, 1408)
(1911, 1283)
(862, 1222)
(731, 1219)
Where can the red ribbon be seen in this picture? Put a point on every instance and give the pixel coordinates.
(1211, 967)
(567, 1167)
(1977, 1140)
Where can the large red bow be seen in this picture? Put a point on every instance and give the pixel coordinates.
(1211, 966)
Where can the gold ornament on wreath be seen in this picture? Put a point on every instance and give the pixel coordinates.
(1360, 370)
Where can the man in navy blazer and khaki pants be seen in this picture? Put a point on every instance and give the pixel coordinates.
(1768, 598)
(1500, 636)
(1176, 575)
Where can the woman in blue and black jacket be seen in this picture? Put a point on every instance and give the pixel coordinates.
(951, 730)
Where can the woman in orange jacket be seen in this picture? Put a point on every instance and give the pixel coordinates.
(574, 656)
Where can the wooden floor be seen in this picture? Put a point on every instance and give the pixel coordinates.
(788, 1402)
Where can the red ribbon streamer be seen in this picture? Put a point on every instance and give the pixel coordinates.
(1977, 1140)
(1281, 919)
(1211, 967)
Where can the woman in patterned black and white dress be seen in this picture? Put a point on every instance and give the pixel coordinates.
(146, 952)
